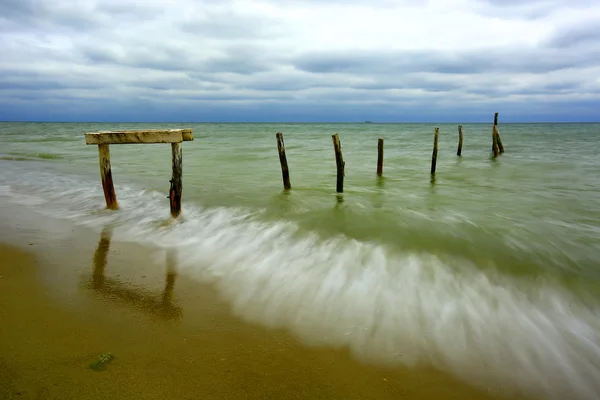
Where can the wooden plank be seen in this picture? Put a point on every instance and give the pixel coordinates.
(139, 136)
(106, 177)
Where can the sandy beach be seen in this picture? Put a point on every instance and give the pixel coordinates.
(68, 296)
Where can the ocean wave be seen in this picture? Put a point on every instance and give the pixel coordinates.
(387, 306)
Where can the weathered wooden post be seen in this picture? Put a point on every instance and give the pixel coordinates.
(173, 136)
(460, 140)
(380, 157)
(285, 172)
(494, 141)
(498, 138)
(176, 181)
(436, 133)
(339, 161)
(106, 177)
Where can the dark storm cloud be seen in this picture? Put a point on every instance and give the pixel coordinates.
(264, 55)
(492, 60)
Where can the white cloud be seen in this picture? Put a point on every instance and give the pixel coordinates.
(302, 52)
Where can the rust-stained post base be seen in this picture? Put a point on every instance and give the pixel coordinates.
(460, 140)
(106, 177)
(176, 181)
(339, 161)
(380, 157)
(436, 133)
(285, 172)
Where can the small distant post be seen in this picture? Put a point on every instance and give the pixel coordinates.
(380, 157)
(460, 140)
(339, 161)
(436, 133)
(495, 141)
(497, 134)
(285, 173)
(106, 177)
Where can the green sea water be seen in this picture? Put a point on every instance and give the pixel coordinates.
(490, 270)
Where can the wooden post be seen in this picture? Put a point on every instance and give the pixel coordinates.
(499, 140)
(285, 172)
(106, 177)
(380, 157)
(495, 119)
(339, 161)
(494, 141)
(435, 150)
(176, 184)
(460, 141)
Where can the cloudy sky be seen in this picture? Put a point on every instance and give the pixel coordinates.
(300, 60)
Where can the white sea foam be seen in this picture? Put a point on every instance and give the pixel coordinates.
(386, 306)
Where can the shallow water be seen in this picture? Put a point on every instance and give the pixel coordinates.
(489, 272)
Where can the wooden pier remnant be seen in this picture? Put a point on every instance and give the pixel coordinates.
(173, 136)
(339, 161)
(285, 172)
(498, 138)
(436, 133)
(380, 157)
(460, 140)
(495, 141)
(106, 177)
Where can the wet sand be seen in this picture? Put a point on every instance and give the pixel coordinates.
(64, 301)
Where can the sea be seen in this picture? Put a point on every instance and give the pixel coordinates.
(489, 270)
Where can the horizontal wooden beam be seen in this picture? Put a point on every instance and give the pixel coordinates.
(140, 136)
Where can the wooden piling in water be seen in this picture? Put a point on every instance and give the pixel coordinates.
(435, 150)
(176, 180)
(339, 161)
(499, 140)
(380, 157)
(495, 141)
(106, 177)
(460, 140)
(285, 173)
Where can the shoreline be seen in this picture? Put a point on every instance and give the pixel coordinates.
(69, 295)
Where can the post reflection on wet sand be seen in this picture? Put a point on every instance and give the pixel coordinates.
(160, 304)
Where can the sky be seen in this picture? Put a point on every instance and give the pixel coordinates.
(300, 60)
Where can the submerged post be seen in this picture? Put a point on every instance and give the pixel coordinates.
(498, 138)
(460, 140)
(436, 133)
(106, 177)
(285, 172)
(495, 141)
(380, 157)
(176, 184)
(339, 161)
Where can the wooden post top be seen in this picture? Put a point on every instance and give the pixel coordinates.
(139, 136)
